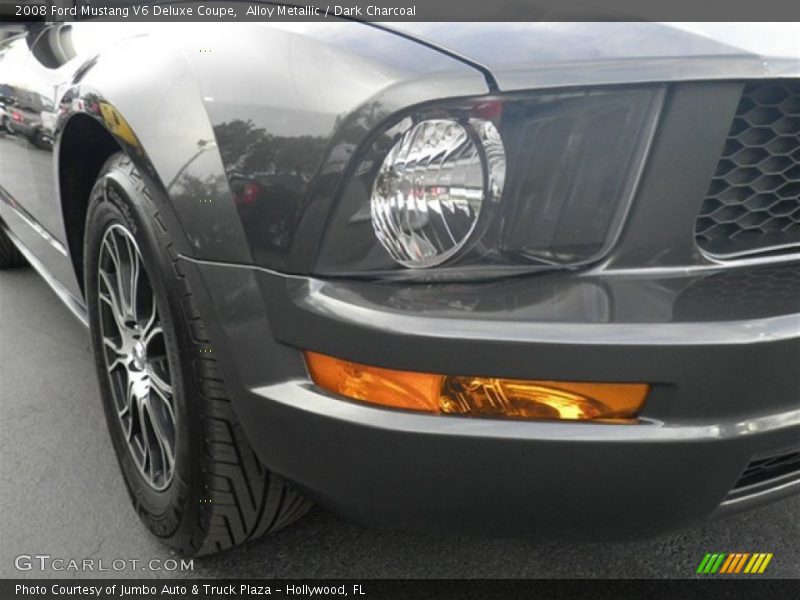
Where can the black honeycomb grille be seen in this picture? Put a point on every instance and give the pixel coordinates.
(744, 293)
(753, 202)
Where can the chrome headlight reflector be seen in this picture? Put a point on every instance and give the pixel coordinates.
(430, 190)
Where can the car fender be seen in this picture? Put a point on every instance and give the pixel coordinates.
(295, 104)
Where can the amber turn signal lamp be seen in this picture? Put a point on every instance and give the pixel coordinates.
(477, 396)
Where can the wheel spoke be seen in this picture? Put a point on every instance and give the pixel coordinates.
(151, 321)
(112, 300)
(116, 364)
(120, 275)
(112, 251)
(135, 267)
(161, 434)
(152, 318)
(147, 455)
(155, 331)
(126, 412)
(109, 343)
(162, 387)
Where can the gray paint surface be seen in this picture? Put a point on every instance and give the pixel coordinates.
(61, 492)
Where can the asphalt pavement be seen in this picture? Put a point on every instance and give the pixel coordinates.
(61, 493)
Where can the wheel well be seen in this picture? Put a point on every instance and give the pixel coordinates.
(85, 147)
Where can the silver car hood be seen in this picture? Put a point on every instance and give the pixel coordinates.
(553, 54)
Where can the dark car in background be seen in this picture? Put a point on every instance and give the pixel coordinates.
(6, 103)
(530, 278)
(30, 115)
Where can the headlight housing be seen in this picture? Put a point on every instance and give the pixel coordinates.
(486, 187)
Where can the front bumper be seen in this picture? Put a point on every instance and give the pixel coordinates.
(725, 388)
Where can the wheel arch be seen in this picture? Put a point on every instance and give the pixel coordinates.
(91, 129)
(141, 96)
(84, 147)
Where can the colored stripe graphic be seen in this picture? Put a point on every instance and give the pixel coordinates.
(764, 564)
(702, 567)
(735, 562)
(741, 562)
(711, 563)
(718, 563)
(755, 561)
(727, 564)
(730, 564)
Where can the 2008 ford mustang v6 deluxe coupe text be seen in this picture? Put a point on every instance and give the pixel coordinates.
(521, 277)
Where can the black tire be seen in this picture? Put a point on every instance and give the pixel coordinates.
(219, 494)
(40, 140)
(10, 256)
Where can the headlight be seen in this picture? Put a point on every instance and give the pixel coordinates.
(430, 190)
(481, 188)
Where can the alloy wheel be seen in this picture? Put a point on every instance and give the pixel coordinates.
(136, 359)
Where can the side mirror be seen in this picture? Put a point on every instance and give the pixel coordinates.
(51, 45)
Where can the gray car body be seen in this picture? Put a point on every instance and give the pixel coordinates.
(725, 377)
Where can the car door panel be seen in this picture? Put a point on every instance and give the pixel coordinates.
(29, 203)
